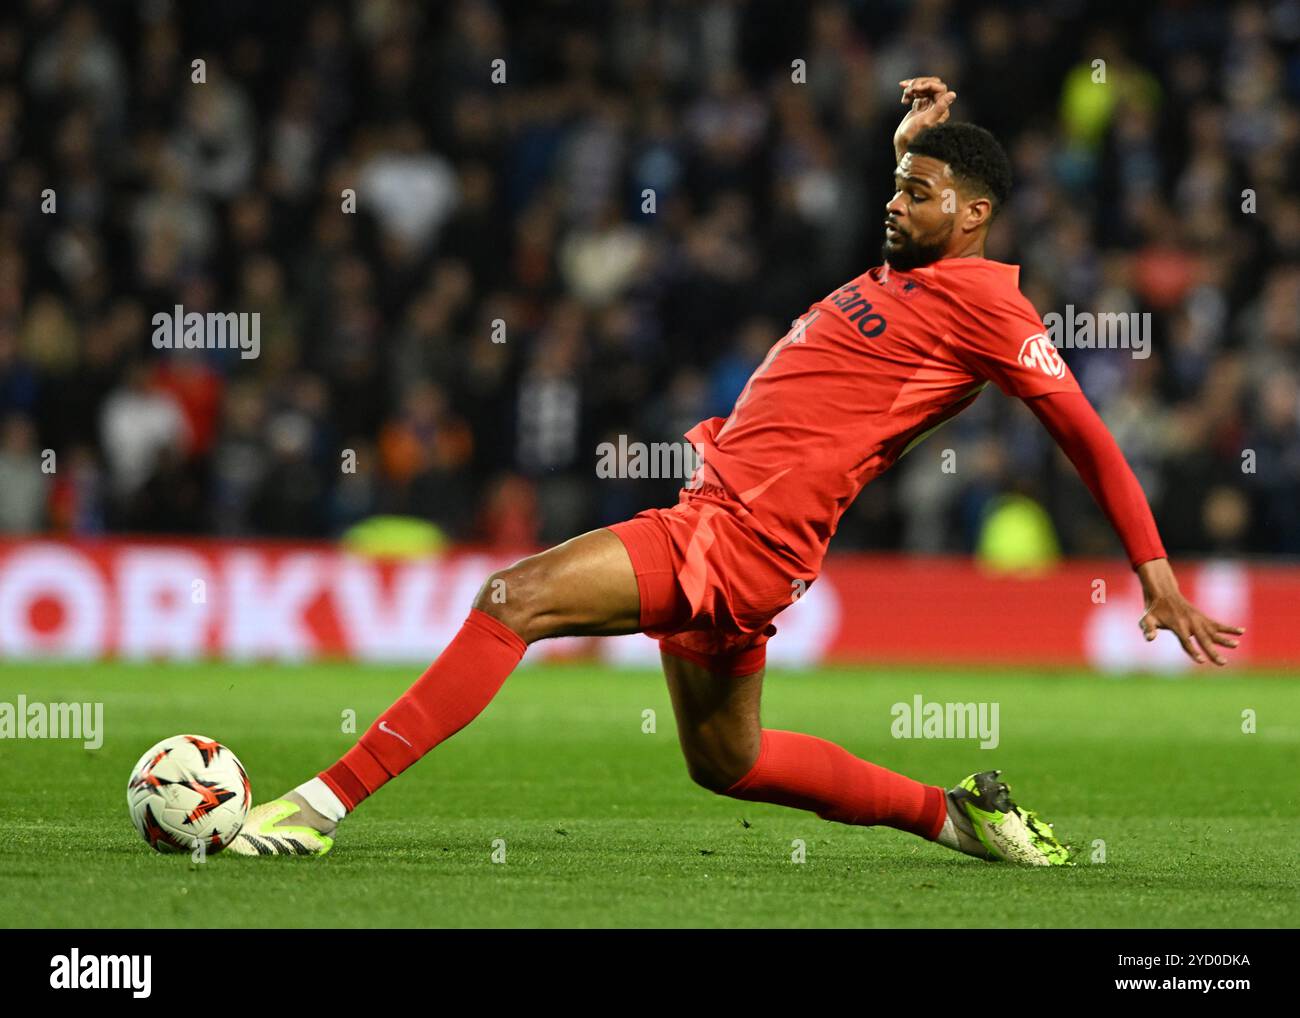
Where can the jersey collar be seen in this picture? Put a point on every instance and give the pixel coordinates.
(934, 270)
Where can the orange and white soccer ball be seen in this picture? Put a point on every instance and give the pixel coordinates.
(187, 793)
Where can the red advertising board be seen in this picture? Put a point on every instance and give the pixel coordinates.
(180, 600)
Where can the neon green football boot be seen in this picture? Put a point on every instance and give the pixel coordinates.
(265, 833)
(1008, 832)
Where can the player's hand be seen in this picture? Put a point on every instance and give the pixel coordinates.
(931, 102)
(1166, 607)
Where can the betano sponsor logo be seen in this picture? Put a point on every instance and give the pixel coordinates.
(848, 298)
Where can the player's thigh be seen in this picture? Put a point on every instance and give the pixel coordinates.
(583, 587)
(718, 722)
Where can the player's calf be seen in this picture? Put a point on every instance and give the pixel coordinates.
(717, 720)
(715, 762)
(978, 817)
(585, 586)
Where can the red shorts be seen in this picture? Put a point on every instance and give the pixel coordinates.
(710, 585)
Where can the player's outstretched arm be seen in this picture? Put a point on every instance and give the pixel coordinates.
(1079, 431)
(931, 102)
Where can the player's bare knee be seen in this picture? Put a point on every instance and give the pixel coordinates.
(505, 597)
(518, 598)
(709, 777)
(716, 765)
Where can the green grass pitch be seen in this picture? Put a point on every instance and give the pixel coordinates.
(602, 827)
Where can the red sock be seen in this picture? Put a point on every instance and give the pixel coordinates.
(448, 696)
(806, 772)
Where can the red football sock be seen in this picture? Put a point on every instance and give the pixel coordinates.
(806, 772)
(448, 696)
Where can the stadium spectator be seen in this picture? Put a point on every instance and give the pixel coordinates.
(522, 273)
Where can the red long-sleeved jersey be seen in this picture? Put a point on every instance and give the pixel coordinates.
(875, 366)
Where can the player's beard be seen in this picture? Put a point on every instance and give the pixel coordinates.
(909, 254)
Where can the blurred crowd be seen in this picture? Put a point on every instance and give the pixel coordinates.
(500, 298)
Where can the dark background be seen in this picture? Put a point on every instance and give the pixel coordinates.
(522, 202)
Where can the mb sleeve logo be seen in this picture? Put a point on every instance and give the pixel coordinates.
(1038, 352)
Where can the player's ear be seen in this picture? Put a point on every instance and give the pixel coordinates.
(978, 213)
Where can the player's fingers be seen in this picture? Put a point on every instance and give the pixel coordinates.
(1202, 633)
(938, 108)
(935, 109)
(1221, 633)
(924, 87)
(1148, 626)
(1184, 637)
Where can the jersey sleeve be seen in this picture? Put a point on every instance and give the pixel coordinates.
(1071, 420)
(999, 336)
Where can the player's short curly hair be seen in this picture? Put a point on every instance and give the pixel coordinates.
(975, 156)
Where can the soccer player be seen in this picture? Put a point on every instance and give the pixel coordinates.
(864, 374)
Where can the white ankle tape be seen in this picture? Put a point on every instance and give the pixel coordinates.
(948, 835)
(322, 799)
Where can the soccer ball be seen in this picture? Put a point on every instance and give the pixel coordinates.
(188, 791)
